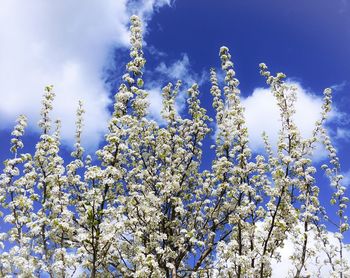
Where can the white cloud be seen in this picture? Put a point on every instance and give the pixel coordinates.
(316, 263)
(155, 104)
(314, 268)
(339, 86)
(67, 44)
(164, 73)
(342, 133)
(262, 115)
(180, 70)
(145, 8)
(346, 178)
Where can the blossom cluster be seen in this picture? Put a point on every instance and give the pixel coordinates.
(146, 208)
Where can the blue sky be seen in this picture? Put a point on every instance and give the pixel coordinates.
(81, 47)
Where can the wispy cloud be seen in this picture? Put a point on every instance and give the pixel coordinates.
(339, 86)
(346, 178)
(164, 73)
(342, 133)
(67, 44)
(180, 70)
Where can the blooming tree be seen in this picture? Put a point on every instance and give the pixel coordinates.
(145, 208)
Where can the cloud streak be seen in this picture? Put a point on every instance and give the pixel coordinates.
(164, 73)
